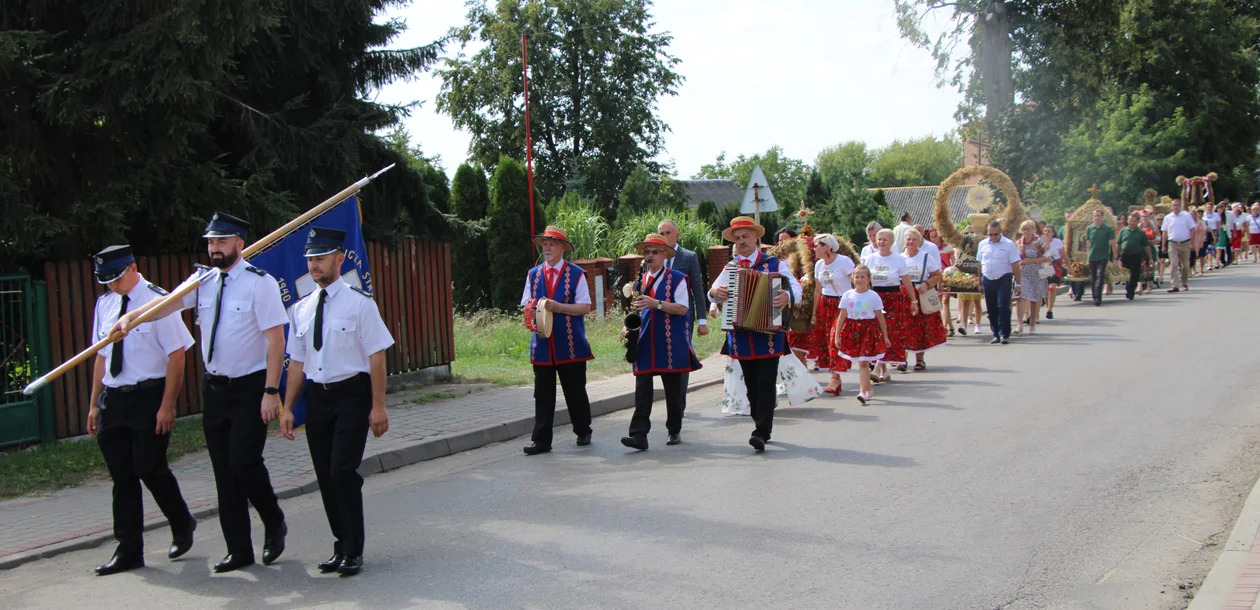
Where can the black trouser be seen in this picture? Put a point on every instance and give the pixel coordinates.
(1132, 262)
(997, 299)
(135, 453)
(1077, 288)
(760, 377)
(235, 437)
(336, 431)
(1229, 251)
(573, 382)
(641, 422)
(1097, 279)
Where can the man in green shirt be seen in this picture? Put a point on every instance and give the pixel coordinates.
(1135, 249)
(1102, 249)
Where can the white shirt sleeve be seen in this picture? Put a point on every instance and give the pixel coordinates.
(720, 280)
(373, 333)
(795, 285)
(172, 335)
(296, 344)
(681, 296)
(268, 304)
(583, 296)
(525, 294)
(1012, 253)
(189, 300)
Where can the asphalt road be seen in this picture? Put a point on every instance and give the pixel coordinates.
(1096, 465)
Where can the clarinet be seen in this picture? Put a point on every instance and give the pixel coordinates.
(634, 321)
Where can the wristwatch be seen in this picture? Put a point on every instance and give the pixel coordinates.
(659, 304)
(271, 390)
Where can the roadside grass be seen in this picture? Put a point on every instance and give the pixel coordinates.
(68, 463)
(494, 348)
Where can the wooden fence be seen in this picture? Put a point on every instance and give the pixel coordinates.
(412, 287)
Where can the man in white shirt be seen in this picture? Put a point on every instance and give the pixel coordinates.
(136, 382)
(933, 251)
(758, 353)
(337, 343)
(998, 257)
(899, 232)
(1177, 231)
(1229, 215)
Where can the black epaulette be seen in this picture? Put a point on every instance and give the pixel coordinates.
(158, 289)
(256, 270)
(361, 291)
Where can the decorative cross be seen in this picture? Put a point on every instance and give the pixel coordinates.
(804, 212)
(1093, 191)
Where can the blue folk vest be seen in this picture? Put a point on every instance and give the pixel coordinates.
(568, 333)
(665, 339)
(746, 345)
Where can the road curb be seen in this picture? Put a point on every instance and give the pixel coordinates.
(421, 451)
(1216, 588)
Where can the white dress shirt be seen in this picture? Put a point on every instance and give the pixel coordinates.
(1056, 249)
(834, 278)
(997, 260)
(1212, 220)
(582, 296)
(934, 252)
(353, 331)
(1179, 227)
(147, 348)
(899, 236)
(681, 296)
(251, 304)
(784, 271)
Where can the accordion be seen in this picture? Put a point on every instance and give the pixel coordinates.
(750, 305)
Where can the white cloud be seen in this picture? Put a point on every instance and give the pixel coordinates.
(802, 74)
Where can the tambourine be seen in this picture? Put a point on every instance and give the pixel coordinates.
(537, 318)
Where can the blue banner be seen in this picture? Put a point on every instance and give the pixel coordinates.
(285, 260)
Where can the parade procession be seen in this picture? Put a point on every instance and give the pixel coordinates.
(454, 304)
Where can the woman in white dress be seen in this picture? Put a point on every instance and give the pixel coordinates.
(794, 380)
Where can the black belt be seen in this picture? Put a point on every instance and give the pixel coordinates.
(1178, 242)
(143, 385)
(227, 381)
(344, 383)
(886, 288)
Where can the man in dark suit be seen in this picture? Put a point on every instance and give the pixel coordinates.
(688, 262)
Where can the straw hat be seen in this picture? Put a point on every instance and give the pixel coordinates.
(554, 233)
(653, 239)
(742, 222)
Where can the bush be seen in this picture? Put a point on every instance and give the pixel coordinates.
(509, 238)
(707, 211)
(470, 199)
(588, 231)
(693, 234)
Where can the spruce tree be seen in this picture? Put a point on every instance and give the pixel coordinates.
(508, 239)
(470, 199)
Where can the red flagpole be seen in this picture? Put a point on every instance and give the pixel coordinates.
(529, 148)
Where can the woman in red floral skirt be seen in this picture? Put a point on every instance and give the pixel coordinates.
(926, 330)
(861, 332)
(831, 280)
(890, 280)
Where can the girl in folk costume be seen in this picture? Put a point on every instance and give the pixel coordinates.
(565, 352)
(889, 278)
(759, 354)
(831, 280)
(861, 332)
(925, 329)
(664, 346)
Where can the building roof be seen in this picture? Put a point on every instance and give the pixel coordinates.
(722, 192)
(920, 201)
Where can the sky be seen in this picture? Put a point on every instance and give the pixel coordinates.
(800, 74)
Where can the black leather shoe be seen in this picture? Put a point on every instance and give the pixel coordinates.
(120, 562)
(757, 443)
(182, 541)
(351, 566)
(674, 439)
(1006, 340)
(535, 449)
(583, 440)
(233, 561)
(635, 442)
(332, 563)
(273, 543)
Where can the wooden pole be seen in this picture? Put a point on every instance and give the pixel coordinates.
(152, 307)
(529, 148)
